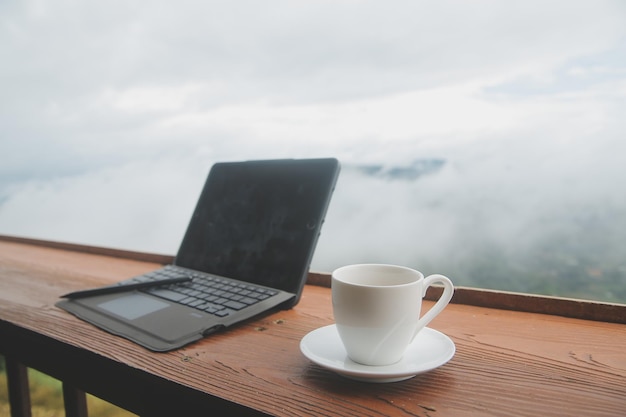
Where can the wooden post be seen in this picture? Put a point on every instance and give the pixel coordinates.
(75, 401)
(19, 392)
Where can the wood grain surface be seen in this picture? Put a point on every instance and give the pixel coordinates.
(507, 363)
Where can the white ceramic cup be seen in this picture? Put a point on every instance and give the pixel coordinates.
(377, 309)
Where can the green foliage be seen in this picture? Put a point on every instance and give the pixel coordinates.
(559, 264)
(46, 394)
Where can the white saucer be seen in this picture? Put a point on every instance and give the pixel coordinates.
(429, 350)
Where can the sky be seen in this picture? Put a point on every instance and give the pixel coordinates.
(111, 114)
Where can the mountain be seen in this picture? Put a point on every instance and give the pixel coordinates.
(416, 169)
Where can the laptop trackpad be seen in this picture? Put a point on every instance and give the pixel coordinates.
(133, 306)
(156, 316)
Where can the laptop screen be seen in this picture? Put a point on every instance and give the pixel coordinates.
(258, 221)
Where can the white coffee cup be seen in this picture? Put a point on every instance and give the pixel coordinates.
(377, 309)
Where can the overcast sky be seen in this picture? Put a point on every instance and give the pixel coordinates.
(111, 113)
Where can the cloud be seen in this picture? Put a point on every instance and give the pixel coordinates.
(135, 206)
(512, 199)
(340, 49)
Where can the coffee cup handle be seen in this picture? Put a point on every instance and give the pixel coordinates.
(448, 290)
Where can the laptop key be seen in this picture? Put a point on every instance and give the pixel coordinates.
(167, 294)
(196, 303)
(187, 301)
(209, 308)
(248, 301)
(235, 305)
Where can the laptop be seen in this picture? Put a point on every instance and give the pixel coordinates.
(248, 245)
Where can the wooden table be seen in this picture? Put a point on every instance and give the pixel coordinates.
(507, 362)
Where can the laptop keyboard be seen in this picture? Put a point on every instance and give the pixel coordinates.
(205, 292)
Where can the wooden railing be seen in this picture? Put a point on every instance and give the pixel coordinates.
(517, 354)
(75, 400)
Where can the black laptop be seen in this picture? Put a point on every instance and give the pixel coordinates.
(247, 250)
